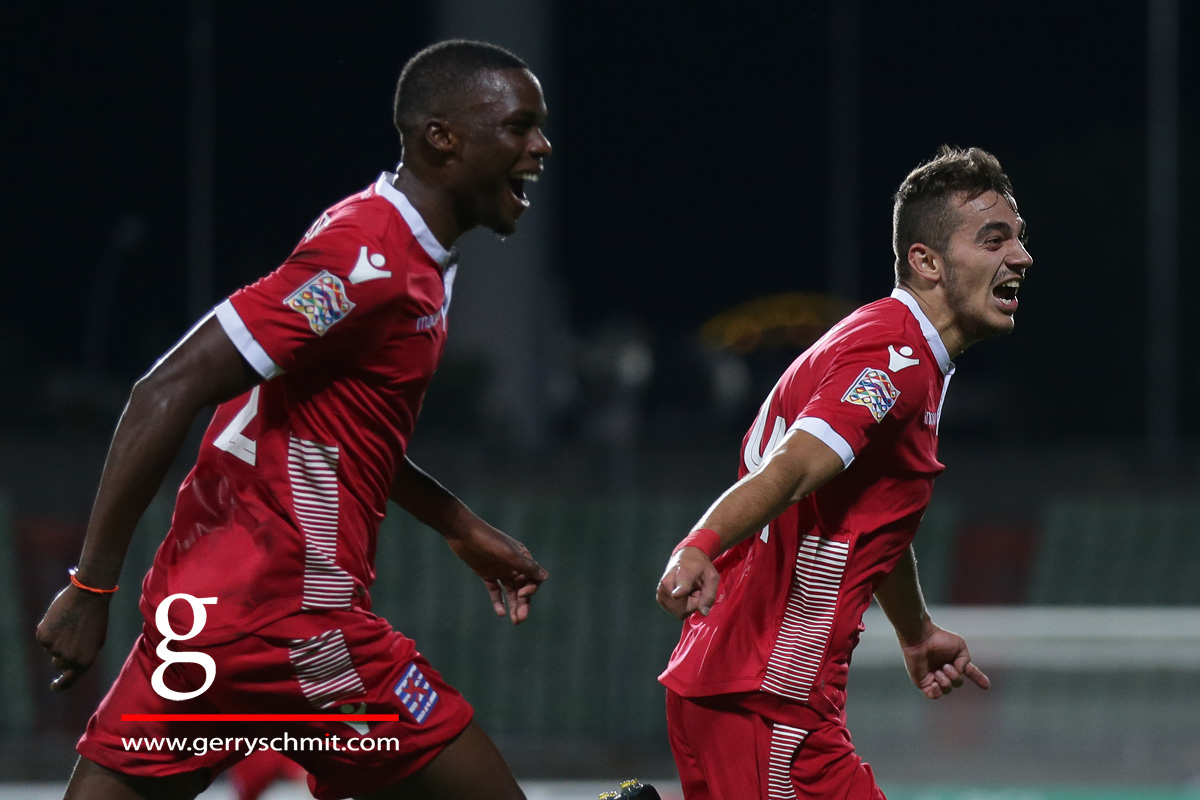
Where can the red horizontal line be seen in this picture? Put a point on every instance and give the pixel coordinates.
(260, 717)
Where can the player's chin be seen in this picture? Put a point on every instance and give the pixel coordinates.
(995, 323)
(502, 224)
(1004, 325)
(1002, 317)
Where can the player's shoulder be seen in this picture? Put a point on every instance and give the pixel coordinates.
(886, 339)
(886, 317)
(366, 215)
(367, 237)
(874, 327)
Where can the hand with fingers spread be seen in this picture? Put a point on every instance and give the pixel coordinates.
(505, 566)
(73, 631)
(688, 584)
(939, 663)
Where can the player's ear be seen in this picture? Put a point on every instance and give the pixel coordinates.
(440, 136)
(925, 262)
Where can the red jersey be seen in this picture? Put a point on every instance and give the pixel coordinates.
(281, 511)
(789, 608)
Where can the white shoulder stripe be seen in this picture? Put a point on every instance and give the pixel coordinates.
(823, 431)
(245, 342)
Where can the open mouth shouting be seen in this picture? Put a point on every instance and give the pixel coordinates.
(1006, 294)
(516, 183)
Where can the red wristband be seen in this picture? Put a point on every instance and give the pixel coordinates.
(705, 540)
(80, 585)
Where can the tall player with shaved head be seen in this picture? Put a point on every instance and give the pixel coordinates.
(836, 472)
(318, 370)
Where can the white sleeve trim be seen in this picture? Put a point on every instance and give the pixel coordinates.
(828, 436)
(245, 342)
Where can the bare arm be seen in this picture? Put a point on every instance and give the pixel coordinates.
(204, 368)
(503, 563)
(799, 466)
(937, 659)
(901, 599)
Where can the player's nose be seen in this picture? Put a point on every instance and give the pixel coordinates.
(1020, 260)
(540, 147)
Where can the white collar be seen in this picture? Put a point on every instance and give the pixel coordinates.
(931, 335)
(384, 188)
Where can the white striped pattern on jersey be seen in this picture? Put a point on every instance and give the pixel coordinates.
(324, 669)
(807, 622)
(312, 468)
(785, 740)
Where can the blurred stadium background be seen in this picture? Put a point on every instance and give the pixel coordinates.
(720, 193)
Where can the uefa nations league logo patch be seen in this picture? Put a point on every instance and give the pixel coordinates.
(416, 694)
(322, 301)
(874, 390)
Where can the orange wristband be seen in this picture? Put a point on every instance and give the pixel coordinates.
(79, 585)
(705, 540)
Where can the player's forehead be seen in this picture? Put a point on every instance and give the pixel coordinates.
(503, 91)
(988, 209)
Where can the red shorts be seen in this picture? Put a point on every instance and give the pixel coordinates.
(756, 745)
(336, 662)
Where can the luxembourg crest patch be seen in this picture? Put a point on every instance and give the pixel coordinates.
(416, 694)
(322, 301)
(874, 390)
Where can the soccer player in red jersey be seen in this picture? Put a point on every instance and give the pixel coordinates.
(318, 370)
(836, 472)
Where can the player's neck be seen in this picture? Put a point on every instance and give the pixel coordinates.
(431, 203)
(941, 316)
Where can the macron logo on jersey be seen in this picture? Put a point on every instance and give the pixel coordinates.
(367, 267)
(873, 389)
(900, 360)
(416, 694)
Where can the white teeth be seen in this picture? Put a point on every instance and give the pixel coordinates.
(532, 177)
(1013, 284)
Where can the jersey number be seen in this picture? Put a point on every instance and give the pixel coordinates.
(755, 454)
(232, 440)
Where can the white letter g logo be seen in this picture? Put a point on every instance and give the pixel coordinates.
(163, 622)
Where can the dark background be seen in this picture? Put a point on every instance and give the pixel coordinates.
(692, 172)
(698, 165)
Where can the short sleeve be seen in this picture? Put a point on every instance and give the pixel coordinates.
(320, 304)
(864, 390)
